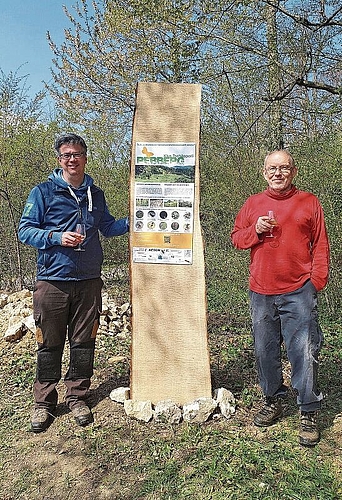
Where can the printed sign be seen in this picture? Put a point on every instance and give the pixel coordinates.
(164, 203)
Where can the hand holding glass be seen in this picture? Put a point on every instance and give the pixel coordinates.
(272, 220)
(80, 229)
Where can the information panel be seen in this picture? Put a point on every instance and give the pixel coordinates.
(164, 203)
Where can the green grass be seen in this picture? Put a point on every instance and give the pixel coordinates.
(231, 465)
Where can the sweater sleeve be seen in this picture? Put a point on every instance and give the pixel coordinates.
(320, 251)
(30, 231)
(244, 235)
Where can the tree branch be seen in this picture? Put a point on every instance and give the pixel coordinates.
(302, 82)
(304, 21)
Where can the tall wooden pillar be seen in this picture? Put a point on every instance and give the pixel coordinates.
(169, 357)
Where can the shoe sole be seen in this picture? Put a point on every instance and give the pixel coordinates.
(84, 421)
(268, 424)
(38, 430)
(42, 427)
(308, 444)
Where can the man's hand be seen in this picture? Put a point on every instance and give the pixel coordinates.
(71, 239)
(263, 224)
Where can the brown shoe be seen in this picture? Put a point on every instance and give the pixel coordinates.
(269, 413)
(41, 419)
(82, 414)
(308, 434)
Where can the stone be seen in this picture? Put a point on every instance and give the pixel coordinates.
(15, 332)
(199, 410)
(115, 323)
(3, 300)
(116, 359)
(141, 410)
(17, 309)
(20, 318)
(124, 308)
(226, 402)
(30, 323)
(20, 296)
(120, 395)
(123, 335)
(167, 412)
(105, 305)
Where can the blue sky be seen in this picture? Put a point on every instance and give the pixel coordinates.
(23, 27)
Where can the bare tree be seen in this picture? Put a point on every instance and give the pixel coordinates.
(265, 65)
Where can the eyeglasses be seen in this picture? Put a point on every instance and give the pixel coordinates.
(67, 156)
(283, 169)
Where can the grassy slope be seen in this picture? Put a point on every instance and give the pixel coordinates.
(119, 458)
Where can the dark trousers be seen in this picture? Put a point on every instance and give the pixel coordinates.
(292, 318)
(65, 309)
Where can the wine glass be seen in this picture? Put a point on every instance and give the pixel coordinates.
(80, 229)
(272, 220)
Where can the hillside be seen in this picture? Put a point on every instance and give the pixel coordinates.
(120, 458)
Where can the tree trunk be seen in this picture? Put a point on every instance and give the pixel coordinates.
(276, 136)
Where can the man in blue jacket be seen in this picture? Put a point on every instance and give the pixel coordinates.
(67, 293)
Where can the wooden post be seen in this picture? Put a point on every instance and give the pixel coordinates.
(169, 356)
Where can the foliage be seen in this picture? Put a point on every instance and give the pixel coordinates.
(14, 101)
(25, 145)
(259, 61)
(249, 56)
(320, 172)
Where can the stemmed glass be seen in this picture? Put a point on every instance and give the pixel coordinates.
(80, 229)
(272, 220)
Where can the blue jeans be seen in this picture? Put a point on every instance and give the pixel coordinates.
(292, 318)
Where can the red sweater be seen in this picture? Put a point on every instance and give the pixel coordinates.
(300, 249)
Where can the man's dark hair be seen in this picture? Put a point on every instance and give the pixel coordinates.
(69, 138)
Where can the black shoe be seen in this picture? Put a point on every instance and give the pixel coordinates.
(82, 414)
(308, 434)
(41, 419)
(269, 413)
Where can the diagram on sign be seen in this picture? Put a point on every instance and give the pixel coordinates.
(163, 203)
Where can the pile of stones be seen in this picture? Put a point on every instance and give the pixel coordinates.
(198, 411)
(16, 316)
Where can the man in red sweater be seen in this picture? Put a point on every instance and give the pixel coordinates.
(285, 231)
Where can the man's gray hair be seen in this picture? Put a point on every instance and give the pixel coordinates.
(290, 157)
(69, 138)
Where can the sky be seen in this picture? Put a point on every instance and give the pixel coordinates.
(23, 27)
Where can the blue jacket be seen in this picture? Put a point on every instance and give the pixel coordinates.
(54, 207)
